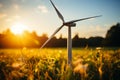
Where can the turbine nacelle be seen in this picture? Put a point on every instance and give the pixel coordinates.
(70, 24)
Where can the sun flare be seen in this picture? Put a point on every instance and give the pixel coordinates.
(18, 28)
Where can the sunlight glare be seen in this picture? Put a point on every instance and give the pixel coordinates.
(18, 28)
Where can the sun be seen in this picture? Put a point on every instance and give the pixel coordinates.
(18, 28)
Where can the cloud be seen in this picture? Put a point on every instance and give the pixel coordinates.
(43, 9)
(13, 18)
(2, 15)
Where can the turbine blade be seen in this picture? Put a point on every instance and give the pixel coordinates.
(83, 19)
(52, 36)
(58, 13)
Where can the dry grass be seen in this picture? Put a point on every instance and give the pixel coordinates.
(51, 64)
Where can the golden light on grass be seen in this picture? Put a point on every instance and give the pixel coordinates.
(81, 68)
(18, 28)
(17, 64)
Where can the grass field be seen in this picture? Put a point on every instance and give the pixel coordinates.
(51, 64)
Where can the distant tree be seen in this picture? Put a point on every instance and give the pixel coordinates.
(113, 36)
(76, 36)
(76, 41)
(62, 42)
(52, 42)
(60, 36)
(43, 38)
(8, 32)
(79, 42)
(34, 34)
(82, 42)
(95, 41)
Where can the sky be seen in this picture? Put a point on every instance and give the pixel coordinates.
(40, 16)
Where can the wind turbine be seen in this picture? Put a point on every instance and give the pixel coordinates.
(69, 24)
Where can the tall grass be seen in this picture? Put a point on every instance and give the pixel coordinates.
(51, 64)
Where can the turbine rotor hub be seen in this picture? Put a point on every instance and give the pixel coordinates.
(70, 24)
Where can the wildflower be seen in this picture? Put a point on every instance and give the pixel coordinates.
(81, 68)
(98, 48)
(100, 72)
(17, 64)
(60, 51)
(79, 61)
(16, 74)
(31, 77)
(47, 76)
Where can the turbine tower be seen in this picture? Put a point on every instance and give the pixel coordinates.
(69, 24)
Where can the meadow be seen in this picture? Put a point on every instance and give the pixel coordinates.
(51, 64)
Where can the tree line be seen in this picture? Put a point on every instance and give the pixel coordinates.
(32, 40)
